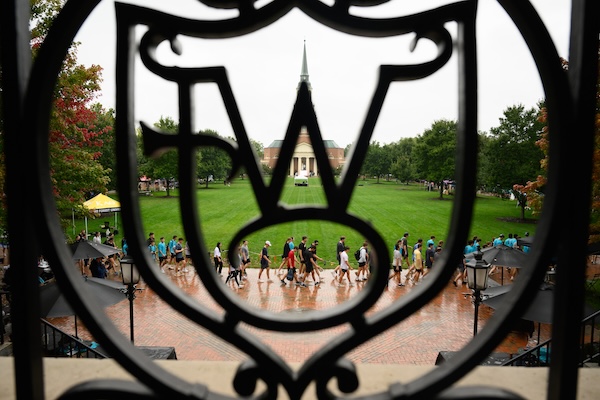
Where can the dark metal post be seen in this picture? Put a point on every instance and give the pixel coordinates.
(131, 297)
(476, 317)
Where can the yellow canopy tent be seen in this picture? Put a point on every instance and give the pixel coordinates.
(102, 204)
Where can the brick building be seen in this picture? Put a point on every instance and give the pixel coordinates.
(303, 158)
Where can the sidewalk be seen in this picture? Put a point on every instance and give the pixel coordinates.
(445, 324)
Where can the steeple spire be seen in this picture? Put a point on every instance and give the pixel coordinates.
(304, 71)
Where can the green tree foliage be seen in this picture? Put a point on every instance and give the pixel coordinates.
(258, 147)
(377, 161)
(435, 151)
(511, 154)
(259, 151)
(76, 136)
(105, 121)
(401, 155)
(521, 197)
(214, 161)
(165, 165)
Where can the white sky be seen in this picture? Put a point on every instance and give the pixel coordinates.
(264, 71)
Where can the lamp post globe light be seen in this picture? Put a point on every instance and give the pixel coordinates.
(131, 277)
(477, 280)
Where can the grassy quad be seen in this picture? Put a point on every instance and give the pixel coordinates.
(391, 207)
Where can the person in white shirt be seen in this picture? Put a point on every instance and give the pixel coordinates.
(345, 266)
(217, 259)
(363, 262)
(97, 238)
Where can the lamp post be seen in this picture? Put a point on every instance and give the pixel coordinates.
(477, 280)
(131, 277)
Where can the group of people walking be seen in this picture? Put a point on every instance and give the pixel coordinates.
(299, 262)
(173, 255)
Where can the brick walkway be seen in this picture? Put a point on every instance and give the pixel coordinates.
(446, 323)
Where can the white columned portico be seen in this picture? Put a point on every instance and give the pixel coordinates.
(303, 159)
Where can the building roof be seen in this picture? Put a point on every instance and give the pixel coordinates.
(329, 144)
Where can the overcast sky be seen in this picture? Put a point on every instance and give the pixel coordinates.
(264, 71)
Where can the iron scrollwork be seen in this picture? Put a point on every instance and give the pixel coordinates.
(330, 362)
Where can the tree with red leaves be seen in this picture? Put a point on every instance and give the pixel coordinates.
(79, 132)
(533, 189)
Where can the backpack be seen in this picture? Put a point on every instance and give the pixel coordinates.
(357, 254)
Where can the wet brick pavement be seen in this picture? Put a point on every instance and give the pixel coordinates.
(444, 324)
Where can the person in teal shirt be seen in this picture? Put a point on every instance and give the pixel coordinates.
(162, 253)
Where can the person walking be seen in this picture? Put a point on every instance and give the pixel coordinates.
(150, 238)
(430, 241)
(404, 249)
(339, 249)
(162, 253)
(188, 256)
(345, 267)
(499, 240)
(460, 273)
(265, 262)
(311, 265)
(511, 241)
(316, 258)
(245, 253)
(171, 249)
(284, 254)
(429, 257)
(217, 259)
(153, 251)
(291, 270)
(301, 252)
(362, 263)
(179, 257)
(418, 263)
(397, 265)
(234, 271)
(98, 269)
(97, 238)
(412, 269)
(112, 258)
(124, 247)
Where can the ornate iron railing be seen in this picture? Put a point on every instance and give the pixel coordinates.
(27, 90)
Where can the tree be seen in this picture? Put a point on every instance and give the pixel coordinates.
(434, 152)
(401, 155)
(534, 188)
(214, 161)
(403, 169)
(377, 161)
(512, 156)
(105, 120)
(76, 138)
(259, 149)
(521, 197)
(165, 165)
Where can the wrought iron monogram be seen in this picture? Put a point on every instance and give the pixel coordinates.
(263, 364)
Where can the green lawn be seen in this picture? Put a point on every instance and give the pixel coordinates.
(391, 208)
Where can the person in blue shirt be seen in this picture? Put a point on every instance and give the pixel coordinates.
(511, 241)
(98, 269)
(470, 247)
(162, 253)
(431, 241)
(153, 250)
(499, 240)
